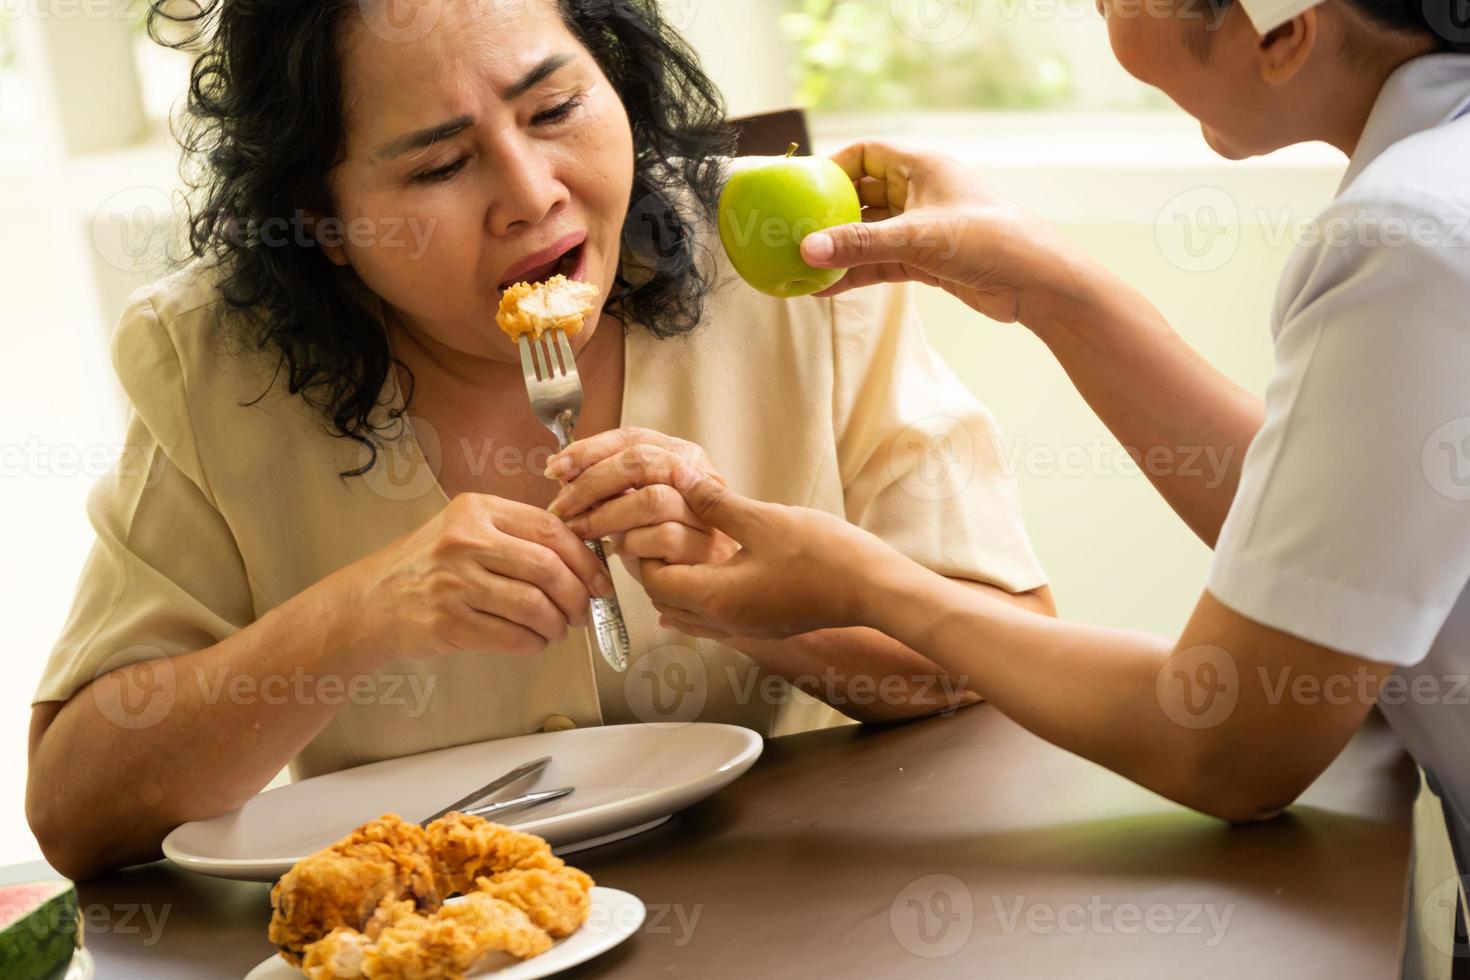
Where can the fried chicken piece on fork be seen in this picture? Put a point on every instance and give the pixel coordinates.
(558, 303)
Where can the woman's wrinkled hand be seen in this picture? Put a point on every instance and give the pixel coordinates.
(484, 574)
(619, 486)
(797, 570)
(927, 219)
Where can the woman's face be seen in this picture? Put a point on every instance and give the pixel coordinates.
(489, 150)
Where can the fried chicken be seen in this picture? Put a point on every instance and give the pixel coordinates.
(466, 848)
(343, 886)
(556, 900)
(369, 907)
(339, 956)
(558, 303)
(455, 940)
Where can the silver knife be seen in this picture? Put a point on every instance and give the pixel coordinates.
(519, 772)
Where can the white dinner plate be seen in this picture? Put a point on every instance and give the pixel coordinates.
(628, 778)
(614, 916)
(81, 967)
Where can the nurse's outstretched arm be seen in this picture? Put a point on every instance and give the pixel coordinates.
(1235, 719)
(927, 219)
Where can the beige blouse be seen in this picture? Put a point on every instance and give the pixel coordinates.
(229, 503)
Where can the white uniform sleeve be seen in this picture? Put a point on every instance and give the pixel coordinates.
(1351, 527)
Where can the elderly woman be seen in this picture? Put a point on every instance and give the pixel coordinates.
(342, 549)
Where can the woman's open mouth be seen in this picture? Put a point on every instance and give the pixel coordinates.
(565, 258)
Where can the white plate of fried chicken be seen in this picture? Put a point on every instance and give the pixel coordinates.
(614, 916)
(462, 897)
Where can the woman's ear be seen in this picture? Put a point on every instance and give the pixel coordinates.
(326, 231)
(1284, 51)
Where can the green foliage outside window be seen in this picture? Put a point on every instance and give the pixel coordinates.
(853, 54)
(883, 55)
(7, 43)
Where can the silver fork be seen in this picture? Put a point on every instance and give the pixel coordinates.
(555, 389)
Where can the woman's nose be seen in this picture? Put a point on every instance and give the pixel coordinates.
(524, 187)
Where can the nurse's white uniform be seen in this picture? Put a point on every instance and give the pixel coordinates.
(1351, 528)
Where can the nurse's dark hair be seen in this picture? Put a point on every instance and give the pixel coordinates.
(1447, 21)
(263, 127)
(1443, 21)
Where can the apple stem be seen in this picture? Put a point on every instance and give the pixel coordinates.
(791, 150)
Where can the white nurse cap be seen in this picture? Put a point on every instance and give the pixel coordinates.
(1267, 15)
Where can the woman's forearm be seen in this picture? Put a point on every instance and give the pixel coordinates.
(1089, 690)
(147, 747)
(871, 677)
(1187, 425)
(865, 675)
(1209, 720)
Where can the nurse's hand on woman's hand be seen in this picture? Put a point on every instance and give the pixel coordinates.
(797, 570)
(618, 486)
(927, 219)
(484, 574)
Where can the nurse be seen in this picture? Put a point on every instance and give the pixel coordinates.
(1342, 537)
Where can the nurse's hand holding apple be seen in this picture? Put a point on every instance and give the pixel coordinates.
(928, 219)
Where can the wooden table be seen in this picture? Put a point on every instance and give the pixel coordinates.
(955, 847)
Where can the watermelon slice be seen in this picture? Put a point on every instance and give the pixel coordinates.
(39, 929)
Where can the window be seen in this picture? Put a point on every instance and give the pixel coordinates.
(16, 97)
(948, 55)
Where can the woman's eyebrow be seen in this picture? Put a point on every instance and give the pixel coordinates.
(424, 137)
(432, 135)
(536, 76)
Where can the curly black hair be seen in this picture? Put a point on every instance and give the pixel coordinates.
(263, 127)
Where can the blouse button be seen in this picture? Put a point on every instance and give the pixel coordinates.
(558, 723)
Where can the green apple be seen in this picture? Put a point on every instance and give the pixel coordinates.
(769, 205)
